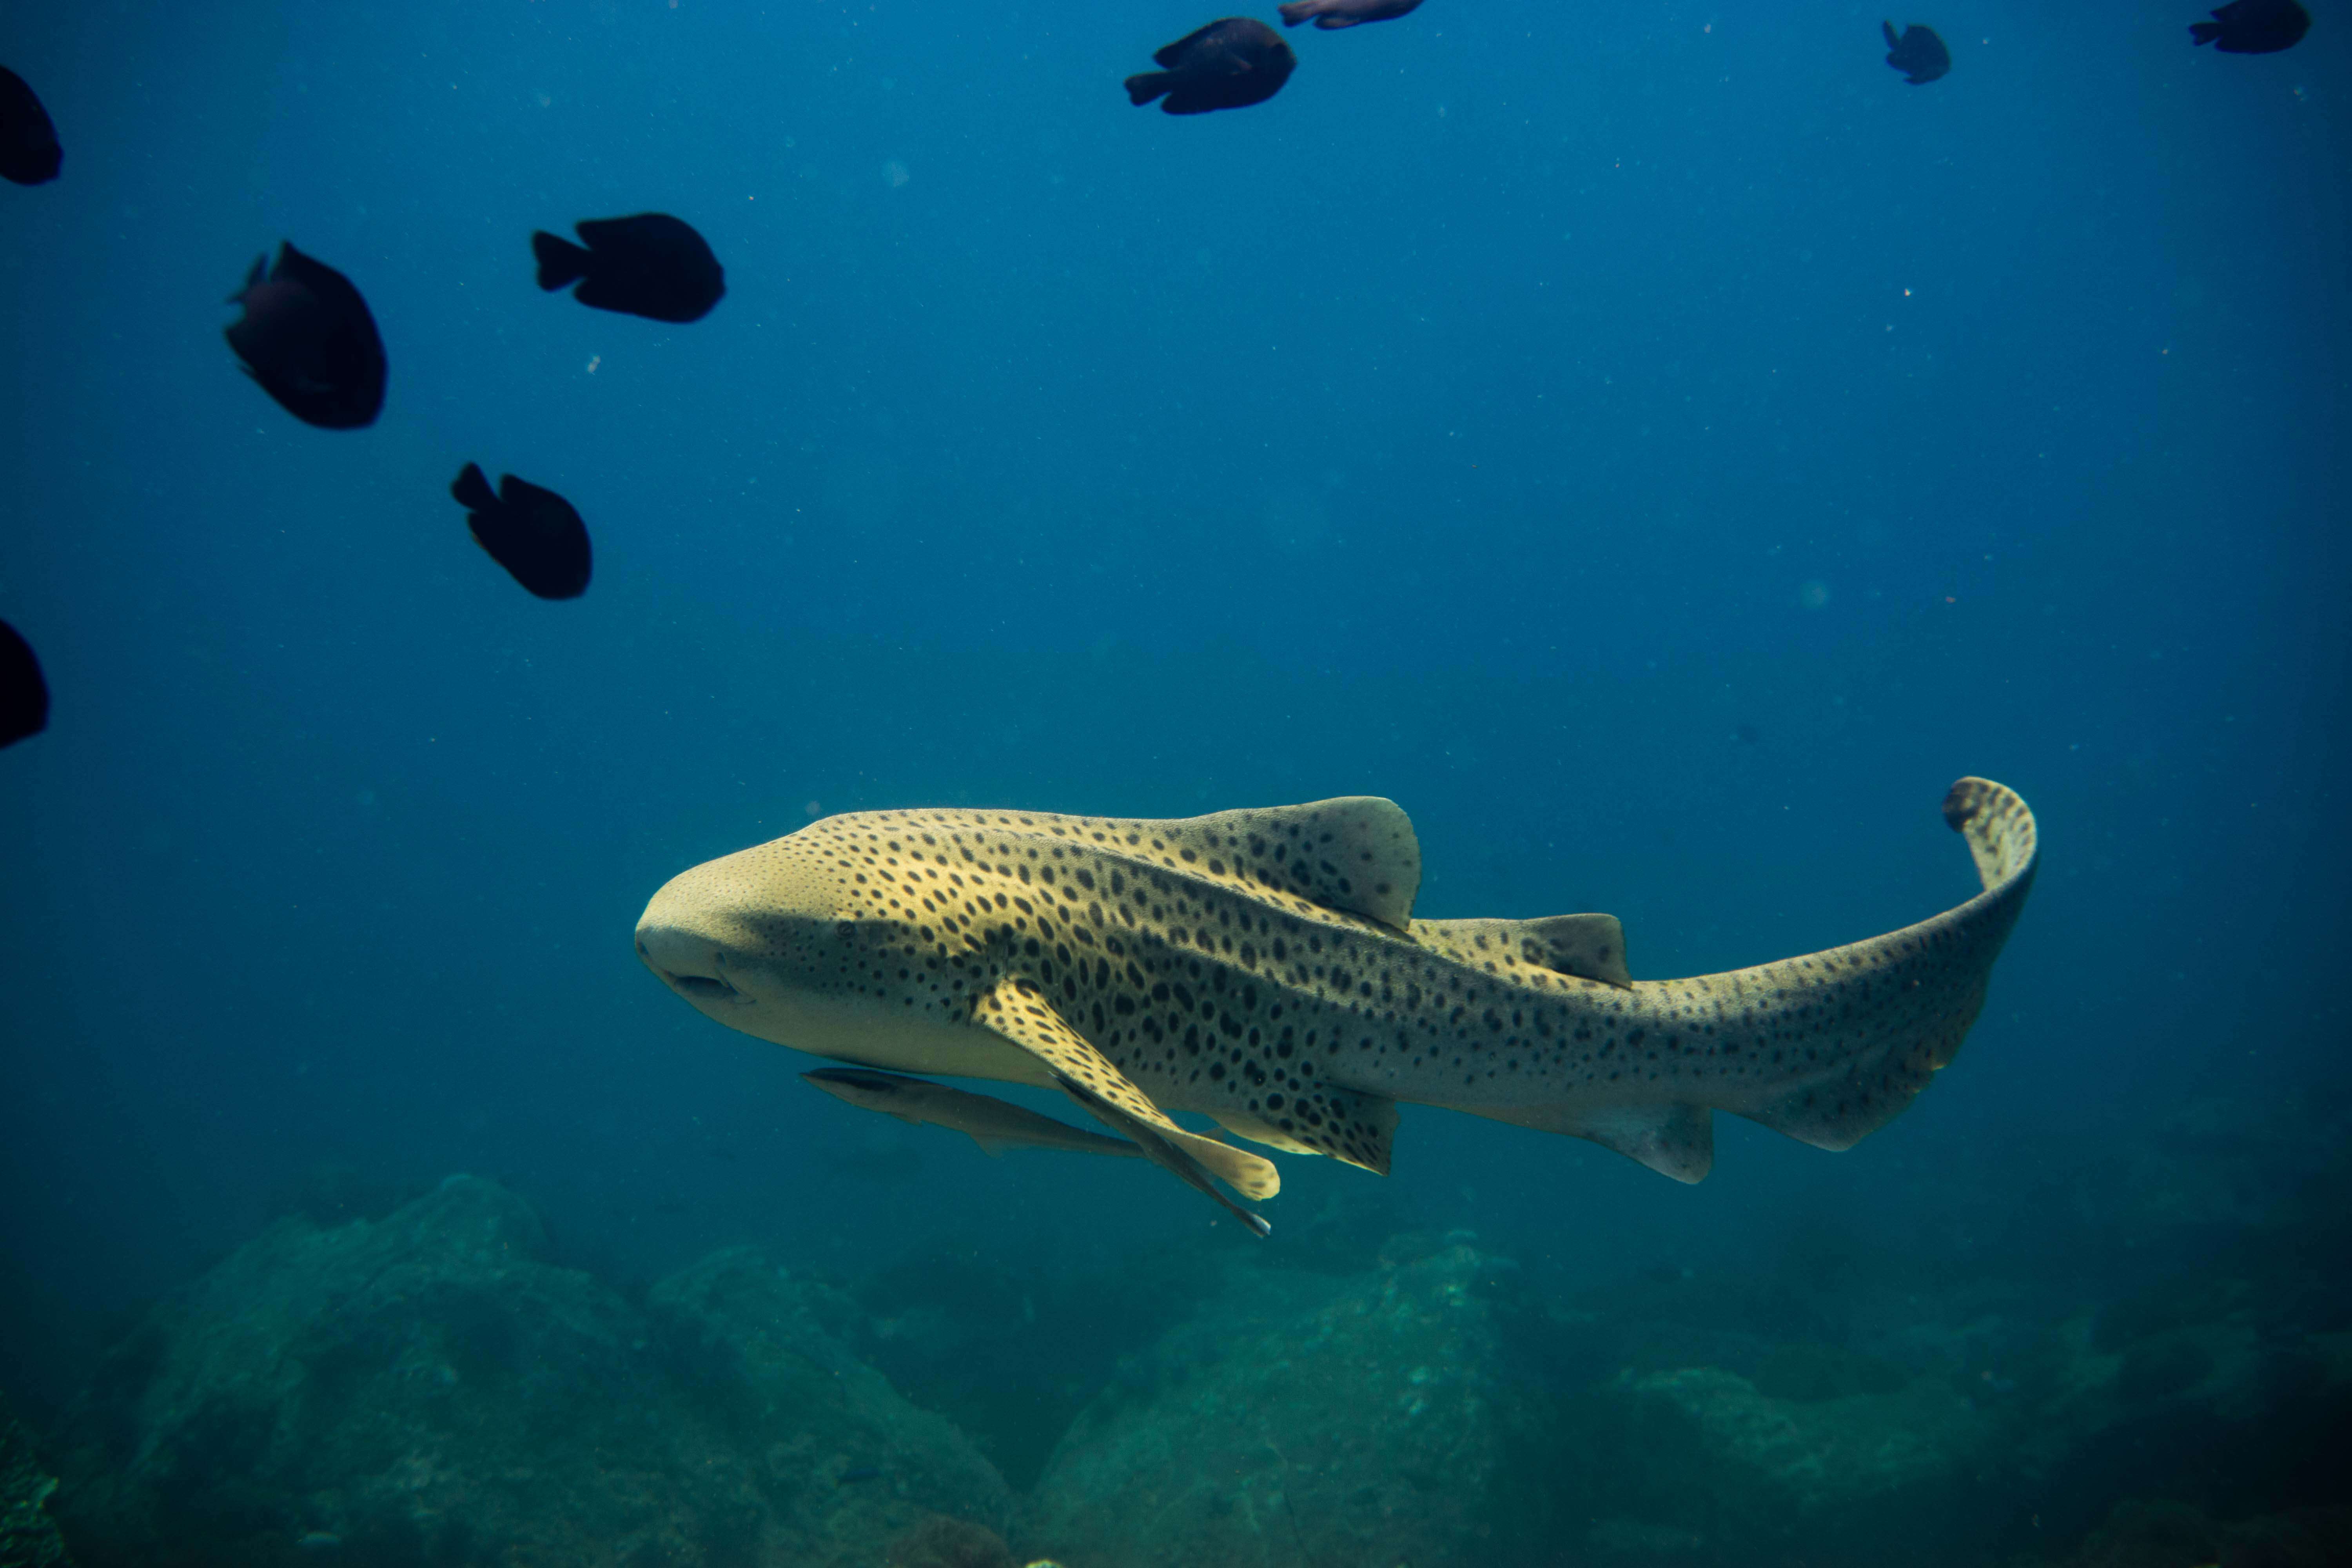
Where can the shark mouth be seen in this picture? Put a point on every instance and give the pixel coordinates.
(701, 987)
(694, 987)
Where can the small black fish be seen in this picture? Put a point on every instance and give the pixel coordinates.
(23, 695)
(1919, 51)
(1229, 64)
(2253, 28)
(306, 337)
(533, 533)
(29, 153)
(1330, 13)
(650, 265)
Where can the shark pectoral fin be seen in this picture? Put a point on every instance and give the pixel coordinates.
(1018, 1011)
(1352, 1128)
(1674, 1140)
(1255, 1179)
(991, 1147)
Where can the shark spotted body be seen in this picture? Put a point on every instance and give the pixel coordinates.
(1263, 967)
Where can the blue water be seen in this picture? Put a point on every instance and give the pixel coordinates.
(1651, 443)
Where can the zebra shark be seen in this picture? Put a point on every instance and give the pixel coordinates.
(1263, 967)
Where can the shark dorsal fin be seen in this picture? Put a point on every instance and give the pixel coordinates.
(1590, 947)
(1357, 854)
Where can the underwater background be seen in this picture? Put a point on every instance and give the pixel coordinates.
(1652, 443)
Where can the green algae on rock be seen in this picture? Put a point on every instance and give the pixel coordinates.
(1701, 1450)
(1389, 1419)
(430, 1388)
(842, 1458)
(28, 1536)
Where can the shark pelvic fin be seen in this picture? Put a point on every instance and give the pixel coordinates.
(1353, 1127)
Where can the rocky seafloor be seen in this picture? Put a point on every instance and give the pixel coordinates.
(432, 1387)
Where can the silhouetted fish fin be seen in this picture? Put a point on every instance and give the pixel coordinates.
(1171, 53)
(472, 490)
(1143, 89)
(2204, 31)
(559, 261)
(1892, 40)
(253, 278)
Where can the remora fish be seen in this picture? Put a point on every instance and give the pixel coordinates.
(1328, 14)
(1264, 967)
(993, 1124)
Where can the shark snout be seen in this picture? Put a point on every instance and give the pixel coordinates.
(675, 943)
(725, 935)
(689, 964)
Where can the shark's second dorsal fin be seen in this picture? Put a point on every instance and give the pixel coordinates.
(1357, 853)
(1590, 947)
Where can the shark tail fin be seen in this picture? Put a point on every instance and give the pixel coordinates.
(1911, 995)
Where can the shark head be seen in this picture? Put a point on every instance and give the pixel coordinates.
(812, 942)
(753, 938)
